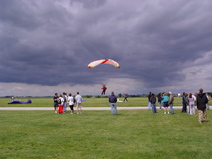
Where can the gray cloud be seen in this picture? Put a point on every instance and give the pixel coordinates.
(51, 42)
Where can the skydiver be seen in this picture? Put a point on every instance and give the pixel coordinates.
(104, 88)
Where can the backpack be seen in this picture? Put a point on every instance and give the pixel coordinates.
(74, 100)
(153, 99)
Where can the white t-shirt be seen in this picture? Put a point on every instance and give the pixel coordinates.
(70, 100)
(78, 98)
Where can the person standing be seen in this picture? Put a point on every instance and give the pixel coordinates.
(71, 103)
(165, 103)
(153, 101)
(184, 102)
(60, 104)
(65, 101)
(79, 103)
(55, 102)
(159, 100)
(149, 103)
(202, 100)
(171, 102)
(191, 102)
(113, 99)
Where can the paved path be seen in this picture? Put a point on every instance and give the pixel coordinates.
(84, 108)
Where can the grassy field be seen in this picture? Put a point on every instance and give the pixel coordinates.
(89, 102)
(97, 134)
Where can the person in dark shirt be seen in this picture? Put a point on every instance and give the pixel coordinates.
(55, 102)
(202, 100)
(153, 101)
(149, 103)
(112, 99)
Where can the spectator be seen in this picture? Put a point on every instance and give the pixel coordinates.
(60, 104)
(202, 100)
(165, 103)
(112, 99)
(171, 102)
(153, 101)
(79, 103)
(65, 101)
(191, 102)
(55, 102)
(184, 102)
(149, 103)
(71, 103)
(159, 100)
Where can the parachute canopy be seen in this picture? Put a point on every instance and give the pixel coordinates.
(103, 61)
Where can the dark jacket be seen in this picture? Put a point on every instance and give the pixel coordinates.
(202, 100)
(112, 98)
(160, 99)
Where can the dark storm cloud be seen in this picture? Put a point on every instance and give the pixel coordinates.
(51, 42)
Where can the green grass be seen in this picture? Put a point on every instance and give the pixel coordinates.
(90, 102)
(97, 134)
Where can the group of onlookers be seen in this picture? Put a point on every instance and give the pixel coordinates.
(165, 100)
(188, 100)
(63, 100)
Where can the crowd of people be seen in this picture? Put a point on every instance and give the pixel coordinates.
(62, 101)
(189, 100)
(165, 102)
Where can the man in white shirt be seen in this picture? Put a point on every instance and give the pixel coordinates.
(78, 99)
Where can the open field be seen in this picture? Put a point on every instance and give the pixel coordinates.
(98, 134)
(89, 102)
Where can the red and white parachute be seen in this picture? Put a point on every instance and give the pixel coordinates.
(104, 61)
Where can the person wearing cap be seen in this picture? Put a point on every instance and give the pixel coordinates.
(171, 102)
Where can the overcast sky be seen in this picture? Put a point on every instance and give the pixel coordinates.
(161, 46)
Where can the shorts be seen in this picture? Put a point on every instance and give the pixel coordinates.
(79, 105)
(165, 104)
(55, 104)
